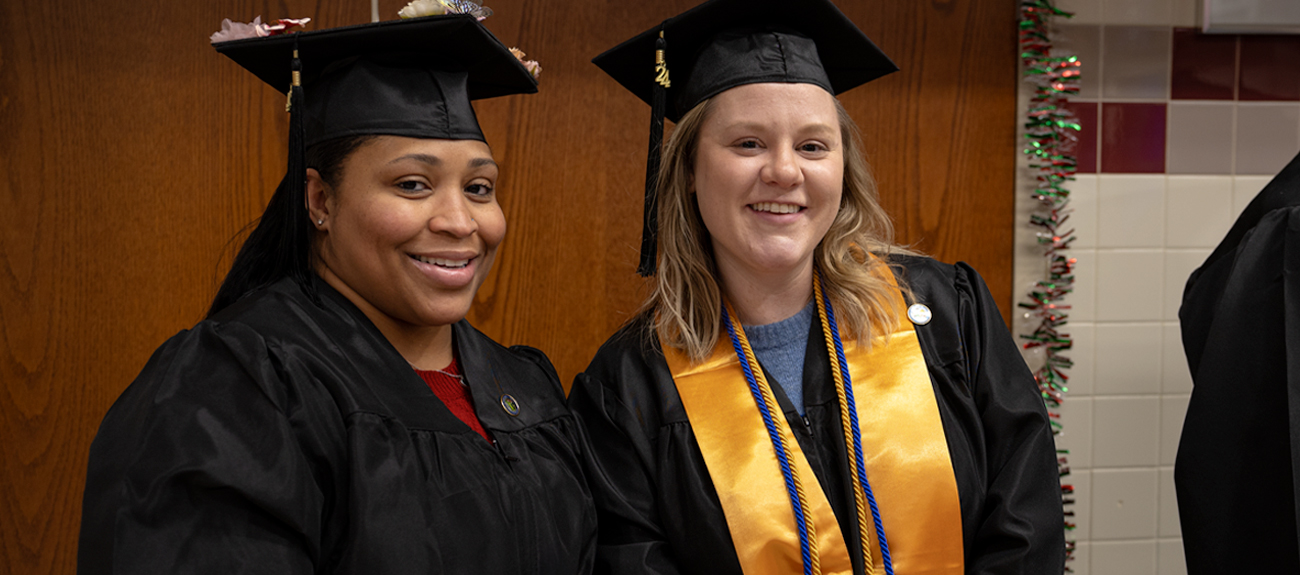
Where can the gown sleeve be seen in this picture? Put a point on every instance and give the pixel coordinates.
(198, 469)
(1020, 528)
(621, 469)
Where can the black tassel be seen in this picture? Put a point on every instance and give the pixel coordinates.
(650, 219)
(299, 232)
(280, 245)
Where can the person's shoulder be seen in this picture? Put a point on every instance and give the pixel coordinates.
(926, 277)
(630, 364)
(929, 278)
(919, 267)
(633, 346)
(212, 362)
(281, 333)
(272, 311)
(211, 341)
(289, 318)
(514, 357)
(629, 370)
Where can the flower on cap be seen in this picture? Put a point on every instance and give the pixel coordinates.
(531, 65)
(283, 25)
(237, 30)
(418, 8)
(255, 29)
(474, 8)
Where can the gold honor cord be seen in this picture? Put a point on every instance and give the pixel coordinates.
(859, 495)
(779, 439)
(905, 447)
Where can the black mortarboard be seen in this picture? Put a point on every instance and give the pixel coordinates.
(721, 44)
(403, 77)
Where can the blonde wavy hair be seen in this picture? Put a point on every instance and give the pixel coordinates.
(686, 299)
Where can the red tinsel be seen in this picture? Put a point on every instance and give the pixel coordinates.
(1051, 130)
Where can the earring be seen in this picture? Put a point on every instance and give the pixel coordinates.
(320, 222)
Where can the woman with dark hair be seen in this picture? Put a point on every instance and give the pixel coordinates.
(799, 394)
(335, 413)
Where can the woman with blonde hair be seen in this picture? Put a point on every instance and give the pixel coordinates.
(799, 394)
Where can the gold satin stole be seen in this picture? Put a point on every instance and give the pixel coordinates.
(903, 442)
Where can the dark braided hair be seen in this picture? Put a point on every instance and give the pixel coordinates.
(280, 245)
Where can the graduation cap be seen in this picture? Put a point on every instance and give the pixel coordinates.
(722, 44)
(413, 78)
(403, 77)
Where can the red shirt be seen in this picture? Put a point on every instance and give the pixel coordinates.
(454, 394)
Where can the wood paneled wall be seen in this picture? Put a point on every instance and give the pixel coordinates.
(131, 154)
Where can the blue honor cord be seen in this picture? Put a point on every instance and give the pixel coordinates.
(763, 400)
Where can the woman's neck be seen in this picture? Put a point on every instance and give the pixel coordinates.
(760, 299)
(424, 347)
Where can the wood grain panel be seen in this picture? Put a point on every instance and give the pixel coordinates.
(940, 133)
(131, 154)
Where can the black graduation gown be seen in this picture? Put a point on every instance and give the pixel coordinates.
(659, 511)
(1235, 473)
(285, 436)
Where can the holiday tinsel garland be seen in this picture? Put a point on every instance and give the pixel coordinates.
(1051, 132)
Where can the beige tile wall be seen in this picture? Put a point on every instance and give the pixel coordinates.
(1139, 237)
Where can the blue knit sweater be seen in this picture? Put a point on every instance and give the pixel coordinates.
(780, 349)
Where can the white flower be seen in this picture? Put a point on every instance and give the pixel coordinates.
(238, 30)
(419, 8)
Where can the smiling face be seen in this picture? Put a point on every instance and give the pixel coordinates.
(769, 171)
(410, 229)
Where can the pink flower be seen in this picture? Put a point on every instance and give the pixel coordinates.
(531, 65)
(255, 29)
(283, 25)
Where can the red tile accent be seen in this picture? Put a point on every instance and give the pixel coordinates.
(1085, 151)
(1132, 138)
(1270, 68)
(1204, 65)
